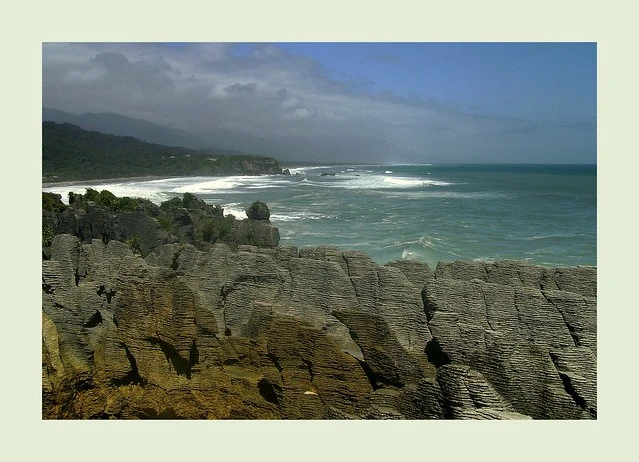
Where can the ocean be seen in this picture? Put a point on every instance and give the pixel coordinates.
(544, 214)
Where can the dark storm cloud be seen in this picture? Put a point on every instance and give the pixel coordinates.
(262, 99)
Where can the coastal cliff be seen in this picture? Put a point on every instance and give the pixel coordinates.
(236, 331)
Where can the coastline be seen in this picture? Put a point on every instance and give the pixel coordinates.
(312, 211)
(129, 179)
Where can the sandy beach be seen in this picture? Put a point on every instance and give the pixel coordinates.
(130, 179)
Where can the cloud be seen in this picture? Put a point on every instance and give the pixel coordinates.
(88, 76)
(260, 98)
(111, 61)
(302, 113)
(241, 89)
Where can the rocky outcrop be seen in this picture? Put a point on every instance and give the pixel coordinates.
(524, 334)
(318, 333)
(258, 211)
(145, 226)
(255, 165)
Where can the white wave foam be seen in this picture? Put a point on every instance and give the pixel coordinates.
(485, 259)
(548, 236)
(413, 182)
(305, 170)
(388, 171)
(412, 254)
(218, 186)
(263, 186)
(299, 216)
(372, 182)
(235, 209)
(426, 243)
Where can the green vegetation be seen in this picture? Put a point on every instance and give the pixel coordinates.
(227, 225)
(190, 201)
(174, 202)
(208, 231)
(135, 244)
(186, 220)
(166, 222)
(71, 153)
(250, 234)
(47, 234)
(108, 199)
(52, 202)
(213, 229)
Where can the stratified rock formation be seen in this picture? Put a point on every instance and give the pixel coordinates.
(146, 226)
(314, 333)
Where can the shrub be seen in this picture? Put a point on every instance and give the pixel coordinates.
(47, 234)
(208, 231)
(77, 200)
(52, 202)
(226, 226)
(92, 195)
(190, 201)
(135, 245)
(166, 222)
(174, 202)
(126, 204)
(107, 198)
(147, 207)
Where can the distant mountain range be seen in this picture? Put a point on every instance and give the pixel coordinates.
(116, 124)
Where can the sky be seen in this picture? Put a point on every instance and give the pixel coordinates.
(348, 102)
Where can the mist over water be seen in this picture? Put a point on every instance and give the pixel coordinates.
(545, 214)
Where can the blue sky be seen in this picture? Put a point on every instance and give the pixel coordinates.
(542, 81)
(357, 102)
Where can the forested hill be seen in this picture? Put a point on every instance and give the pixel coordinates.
(71, 153)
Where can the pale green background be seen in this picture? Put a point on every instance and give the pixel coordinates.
(25, 27)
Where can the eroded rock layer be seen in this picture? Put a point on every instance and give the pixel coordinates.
(282, 333)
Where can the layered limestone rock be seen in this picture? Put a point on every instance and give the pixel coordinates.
(146, 226)
(510, 338)
(318, 333)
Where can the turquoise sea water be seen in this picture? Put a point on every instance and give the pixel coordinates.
(546, 214)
